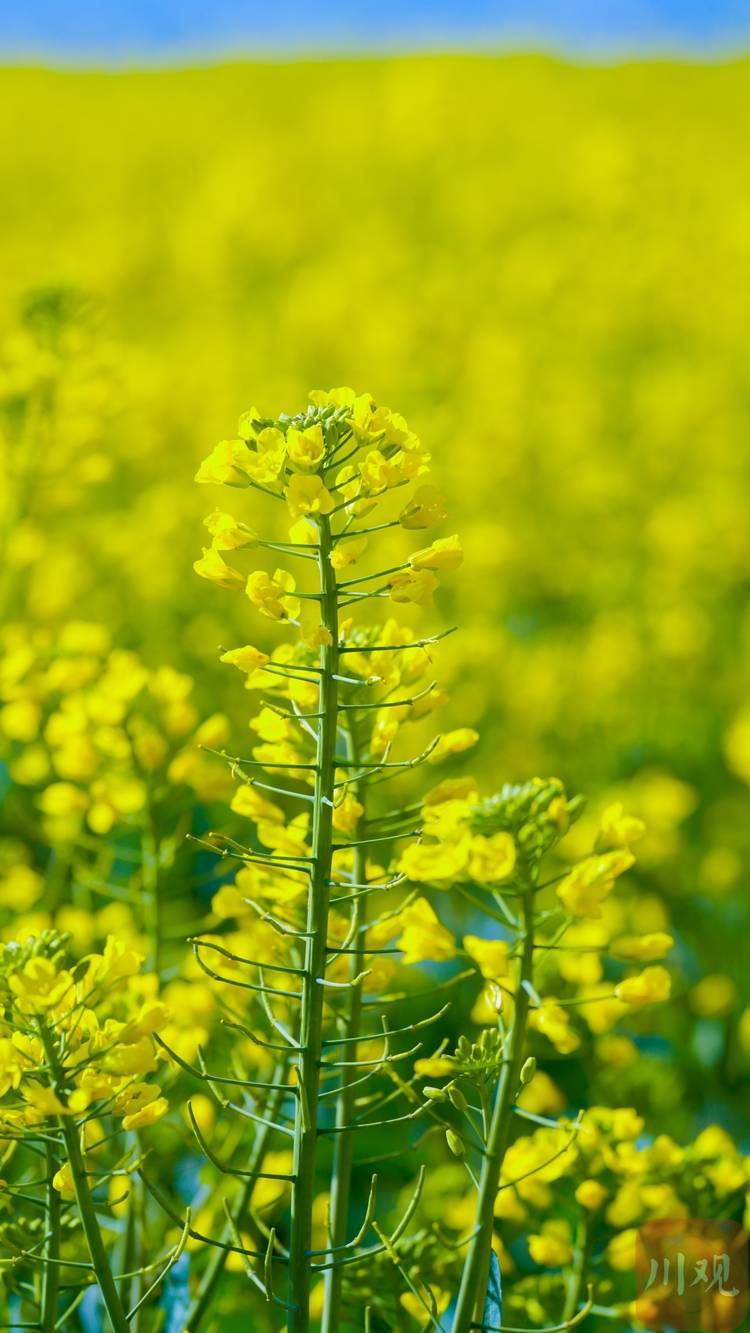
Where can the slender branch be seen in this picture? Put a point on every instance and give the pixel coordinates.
(51, 1273)
(86, 1208)
(341, 1174)
(471, 1296)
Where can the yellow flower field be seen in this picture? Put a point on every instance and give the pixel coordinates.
(546, 268)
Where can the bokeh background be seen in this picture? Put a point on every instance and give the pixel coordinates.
(527, 230)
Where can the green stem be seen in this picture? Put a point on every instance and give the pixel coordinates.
(86, 1208)
(471, 1296)
(341, 1176)
(311, 1015)
(51, 1275)
(577, 1277)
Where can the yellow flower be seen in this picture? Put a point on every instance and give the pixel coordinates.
(601, 1009)
(137, 1057)
(663, 1200)
(264, 463)
(727, 1176)
(552, 1248)
(44, 1101)
(152, 1017)
(147, 1115)
(303, 532)
(347, 552)
(305, 448)
(618, 1051)
(213, 567)
(542, 1096)
(445, 553)
(416, 586)
(617, 829)
(642, 948)
(21, 888)
(62, 1181)
(247, 426)
(11, 1066)
(248, 801)
(579, 960)
(436, 863)
(714, 996)
(39, 985)
(227, 532)
(423, 939)
(648, 987)
(586, 886)
(492, 859)
(346, 813)
(553, 1022)
(268, 1192)
(452, 789)
(20, 720)
(308, 495)
(139, 1105)
(225, 465)
(620, 1253)
(713, 1141)
(627, 1205)
(61, 798)
(491, 956)
(311, 631)
(425, 509)
(117, 962)
(453, 742)
(245, 659)
(433, 1299)
(271, 594)
(378, 472)
(434, 1066)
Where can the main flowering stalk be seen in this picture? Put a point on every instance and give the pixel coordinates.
(341, 1174)
(313, 988)
(300, 957)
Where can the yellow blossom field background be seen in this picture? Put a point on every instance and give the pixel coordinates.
(546, 268)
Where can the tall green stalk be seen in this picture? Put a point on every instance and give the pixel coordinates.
(86, 1208)
(341, 1175)
(313, 992)
(471, 1296)
(51, 1274)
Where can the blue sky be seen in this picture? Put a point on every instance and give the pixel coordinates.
(123, 30)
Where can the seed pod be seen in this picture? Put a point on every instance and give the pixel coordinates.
(457, 1097)
(528, 1071)
(435, 1094)
(455, 1143)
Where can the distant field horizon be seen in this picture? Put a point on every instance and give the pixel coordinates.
(518, 250)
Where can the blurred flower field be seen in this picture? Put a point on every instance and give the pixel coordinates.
(546, 268)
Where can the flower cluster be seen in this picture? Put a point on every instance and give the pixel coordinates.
(77, 1038)
(91, 731)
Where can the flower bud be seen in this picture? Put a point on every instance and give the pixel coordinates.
(435, 1094)
(455, 1143)
(528, 1071)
